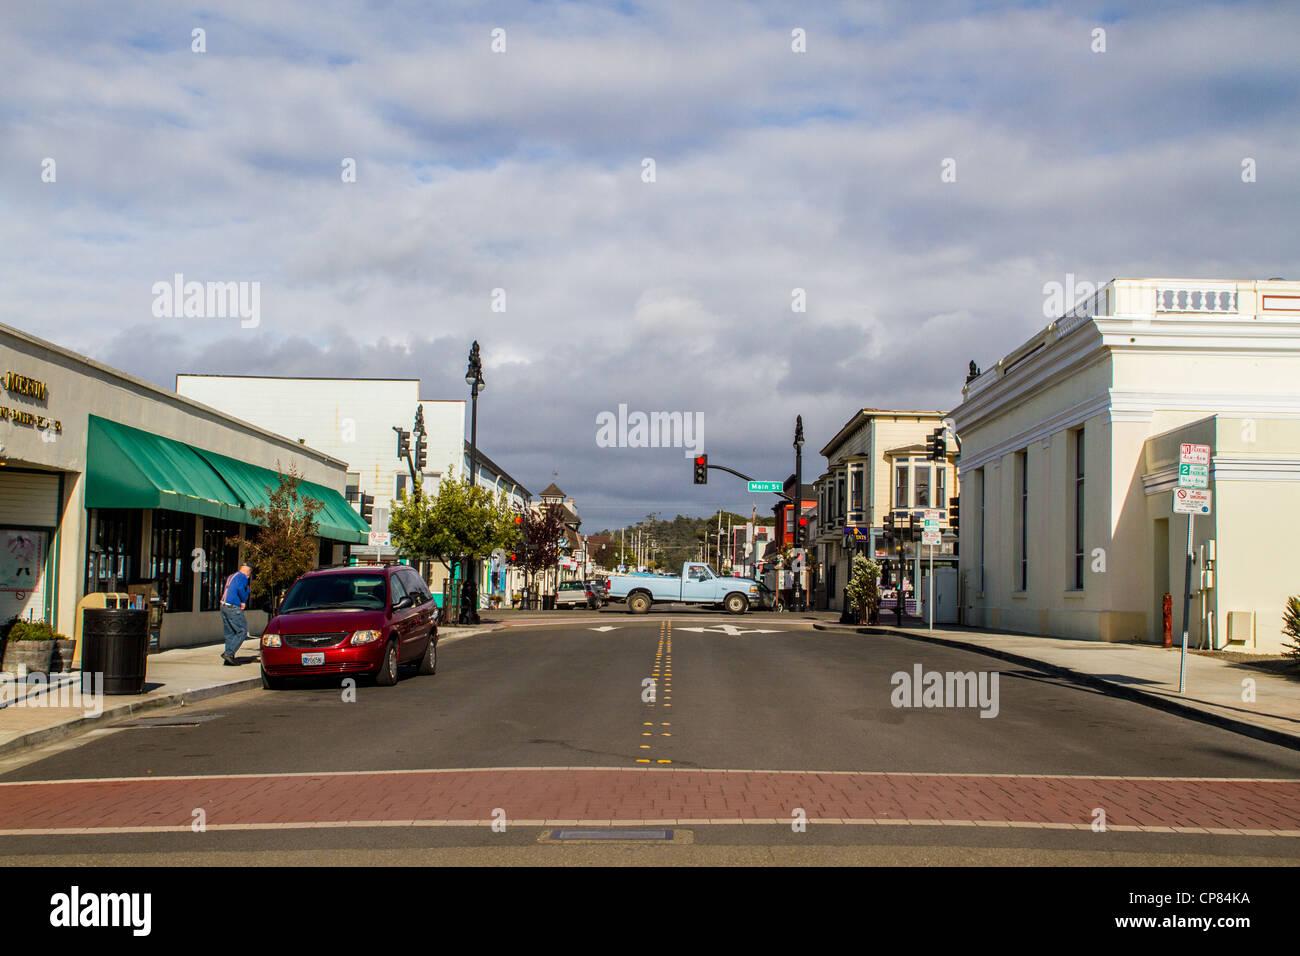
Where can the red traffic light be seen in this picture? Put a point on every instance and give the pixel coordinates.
(700, 461)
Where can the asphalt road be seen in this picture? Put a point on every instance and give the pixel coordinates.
(570, 696)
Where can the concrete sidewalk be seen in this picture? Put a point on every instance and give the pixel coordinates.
(30, 715)
(1146, 673)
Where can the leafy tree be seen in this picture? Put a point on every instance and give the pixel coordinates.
(1291, 626)
(863, 592)
(461, 521)
(542, 530)
(286, 543)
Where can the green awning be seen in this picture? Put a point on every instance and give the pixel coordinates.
(337, 520)
(130, 468)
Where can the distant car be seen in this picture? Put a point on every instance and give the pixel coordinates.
(575, 594)
(766, 599)
(358, 620)
(602, 593)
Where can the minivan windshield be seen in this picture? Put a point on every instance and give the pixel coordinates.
(335, 592)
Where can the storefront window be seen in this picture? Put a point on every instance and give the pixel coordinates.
(857, 488)
(113, 555)
(900, 487)
(923, 486)
(169, 565)
(221, 561)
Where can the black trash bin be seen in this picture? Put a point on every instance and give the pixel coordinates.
(548, 602)
(116, 644)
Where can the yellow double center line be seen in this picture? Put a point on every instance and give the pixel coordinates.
(661, 674)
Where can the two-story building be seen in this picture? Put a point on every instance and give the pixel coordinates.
(876, 465)
(1069, 464)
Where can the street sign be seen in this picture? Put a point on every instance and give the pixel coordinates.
(934, 538)
(380, 539)
(757, 487)
(1193, 476)
(1189, 501)
(1194, 455)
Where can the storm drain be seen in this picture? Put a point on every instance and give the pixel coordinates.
(194, 721)
(604, 835)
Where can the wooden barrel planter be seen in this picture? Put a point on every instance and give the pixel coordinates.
(33, 655)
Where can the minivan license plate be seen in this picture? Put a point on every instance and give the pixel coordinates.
(310, 659)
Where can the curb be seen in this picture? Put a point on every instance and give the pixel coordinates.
(1234, 724)
(130, 708)
(73, 728)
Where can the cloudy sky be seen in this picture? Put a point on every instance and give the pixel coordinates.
(524, 170)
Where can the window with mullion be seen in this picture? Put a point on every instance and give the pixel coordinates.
(1078, 509)
(169, 565)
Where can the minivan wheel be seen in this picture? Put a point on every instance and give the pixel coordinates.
(429, 662)
(387, 675)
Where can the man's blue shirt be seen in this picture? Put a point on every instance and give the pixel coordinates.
(236, 590)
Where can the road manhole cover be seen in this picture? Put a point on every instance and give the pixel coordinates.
(604, 835)
(194, 721)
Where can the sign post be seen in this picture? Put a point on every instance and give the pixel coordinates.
(930, 536)
(1193, 474)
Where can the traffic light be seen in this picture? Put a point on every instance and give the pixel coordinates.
(367, 507)
(888, 524)
(916, 523)
(953, 504)
(936, 445)
(403, 443)
(421, 452)
(701, 469)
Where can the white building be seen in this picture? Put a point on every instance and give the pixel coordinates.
(109, 484)
(350, 419)
(1069, 454)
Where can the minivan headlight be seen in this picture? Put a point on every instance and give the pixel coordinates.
(270, 640)
(364, 637)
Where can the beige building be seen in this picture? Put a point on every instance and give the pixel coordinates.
(875, 465)
(1069, 454)
(109, 484)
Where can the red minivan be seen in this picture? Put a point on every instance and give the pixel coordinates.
(354, 620)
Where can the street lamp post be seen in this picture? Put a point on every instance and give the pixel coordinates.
(474, 379)
(798, 506)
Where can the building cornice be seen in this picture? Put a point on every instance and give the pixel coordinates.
(1039, 431)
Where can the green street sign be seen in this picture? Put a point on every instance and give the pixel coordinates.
(1193, 476)
(757, 487)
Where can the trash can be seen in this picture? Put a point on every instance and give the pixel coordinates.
(116, 644)
(548, 602)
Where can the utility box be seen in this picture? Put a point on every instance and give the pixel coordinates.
(945, 596)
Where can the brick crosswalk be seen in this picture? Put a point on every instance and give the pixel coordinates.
(660, 796)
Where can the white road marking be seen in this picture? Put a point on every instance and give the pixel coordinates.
(728, 629)
(607, 627)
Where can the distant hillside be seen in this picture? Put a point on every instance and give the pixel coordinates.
(678, 540)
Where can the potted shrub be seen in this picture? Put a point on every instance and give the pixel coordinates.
(29, 645)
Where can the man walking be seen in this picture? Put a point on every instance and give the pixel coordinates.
(234, 599)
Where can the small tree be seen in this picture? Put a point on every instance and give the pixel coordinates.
(542, 530)
(863, 592)
(1291, 626)
(287, 544)
(460, 522)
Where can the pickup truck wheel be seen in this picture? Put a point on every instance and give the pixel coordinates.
(638, 603)
(737, 604)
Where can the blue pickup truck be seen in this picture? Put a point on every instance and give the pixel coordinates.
(697, 585)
